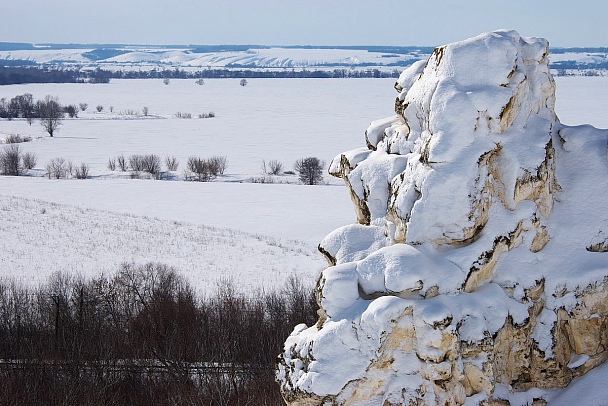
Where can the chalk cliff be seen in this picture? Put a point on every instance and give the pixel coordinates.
(477, 269)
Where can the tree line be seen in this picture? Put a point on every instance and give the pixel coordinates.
(144, 337)
(10, 75)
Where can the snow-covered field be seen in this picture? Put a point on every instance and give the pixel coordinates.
(254, 234)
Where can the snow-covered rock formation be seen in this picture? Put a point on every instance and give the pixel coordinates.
(477, 271)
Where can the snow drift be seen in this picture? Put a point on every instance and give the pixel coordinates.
(478, 267)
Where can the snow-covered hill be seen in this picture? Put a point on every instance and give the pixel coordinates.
(129, 57)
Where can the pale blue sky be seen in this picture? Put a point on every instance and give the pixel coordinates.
(565, 23)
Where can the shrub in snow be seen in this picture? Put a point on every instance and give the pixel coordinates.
(218, 165)
(71, 110)
(82, 171)
(171, 163)
(10, 160)
(29, 160)
(57, 168)
(122, 163)
(16, 139)
(310, 170)
(274, 167)
(201, 168)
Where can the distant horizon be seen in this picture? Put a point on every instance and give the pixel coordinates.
(261, 45)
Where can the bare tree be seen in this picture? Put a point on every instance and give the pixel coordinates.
(122, 163)
(310, 170)
(145, 110)
(10, 160)
(274, 167)
(83, 106)
(82, 172)
(171, 163)
(57, 168)
(217, 165)
(29, 160)
(51, 113)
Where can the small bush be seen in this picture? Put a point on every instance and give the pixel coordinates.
(29, 161)
(152, 164)
(99, 108)
(17, 139)
(144, 163)
(122, 163)
(183, 115)
(57, 168)
(82, 171)
(218, 165)
(10, 160)
(70, 168)
(207, 115)
(112, 164)
(166, 81)
(83, 106)
(274, 167)
(200, 167)
(200, 82)
(262, 179)
(171, 163)
(71, 110)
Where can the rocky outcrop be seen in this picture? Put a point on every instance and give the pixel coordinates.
(478, 266)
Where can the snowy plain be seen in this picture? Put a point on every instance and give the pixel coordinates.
(256, 235)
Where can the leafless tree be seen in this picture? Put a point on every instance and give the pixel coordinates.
(50, 113)
(218, 165)
(171, 163)
(122, 163)
(274, 167)
(57, 168)
(29, 160)
(145, 110)
(310, 170)
(82, 171)
(10, 160)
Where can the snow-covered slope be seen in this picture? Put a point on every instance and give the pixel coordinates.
(477, 271)
(130, 57)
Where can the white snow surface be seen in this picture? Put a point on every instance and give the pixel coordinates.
(492, 94)
(282, 119)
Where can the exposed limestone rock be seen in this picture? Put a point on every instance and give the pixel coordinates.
(478, 267)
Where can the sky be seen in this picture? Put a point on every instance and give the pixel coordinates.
(565, 23)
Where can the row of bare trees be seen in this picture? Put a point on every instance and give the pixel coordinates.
(144, 337)
(49, 111)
